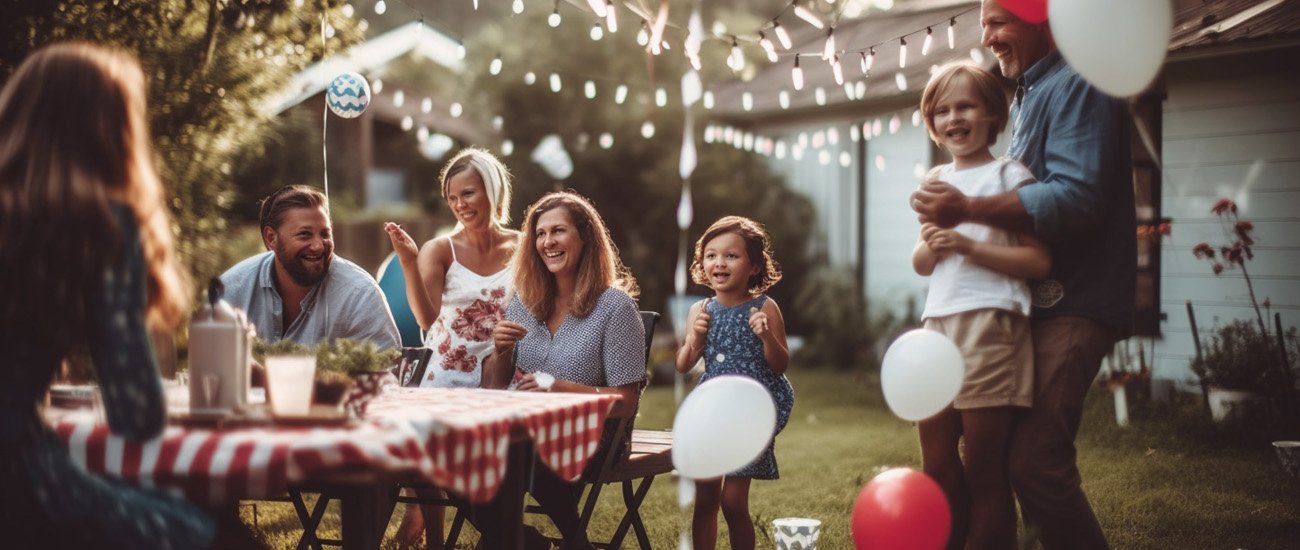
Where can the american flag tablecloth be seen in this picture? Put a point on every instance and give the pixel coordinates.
(458, 439)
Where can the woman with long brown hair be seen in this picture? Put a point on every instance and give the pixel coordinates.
(86, 247)
(571, 326)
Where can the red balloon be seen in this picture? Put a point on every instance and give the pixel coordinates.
(901, 509)
(1033, 11)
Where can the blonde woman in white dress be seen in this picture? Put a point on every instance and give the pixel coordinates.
(457, 286)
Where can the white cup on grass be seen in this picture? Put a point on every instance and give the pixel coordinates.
(796, 533)
(289, 382)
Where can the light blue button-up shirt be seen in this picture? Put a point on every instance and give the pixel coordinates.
(346, 304)
(1075, 140)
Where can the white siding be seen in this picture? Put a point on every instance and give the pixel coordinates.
(1231, 129)
(895, 164)
(830, 186)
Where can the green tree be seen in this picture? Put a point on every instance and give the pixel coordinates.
(210, 66)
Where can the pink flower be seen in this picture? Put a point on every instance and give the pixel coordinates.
(475, 323)
(445, 345)
(459, 359)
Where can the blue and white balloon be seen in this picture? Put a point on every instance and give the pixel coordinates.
(348, 95)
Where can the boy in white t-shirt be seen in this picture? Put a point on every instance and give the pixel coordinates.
(979, 298)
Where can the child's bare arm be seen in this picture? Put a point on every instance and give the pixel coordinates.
(923, 257)
(769, 325)
(1030, 259)
(697, 329)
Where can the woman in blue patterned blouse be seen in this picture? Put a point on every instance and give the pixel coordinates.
(571, 326)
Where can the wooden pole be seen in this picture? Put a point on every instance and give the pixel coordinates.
(1196, 339)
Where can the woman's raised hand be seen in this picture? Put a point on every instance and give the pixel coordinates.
(505, 335)
(403, 244)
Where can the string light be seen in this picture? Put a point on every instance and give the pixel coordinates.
(929, 38)
(611, 16)
(380, 7)
(784, 99)
(554, 19)
(868, 59)
(803, 13)
(796, 74)
(643, 35)
(902, 53)
(767, 46)
(952, 29)
(829, 49)
(597, 32)
(781, 35)
(518, 6)
(837, 70)
(589, 90)
(495, 67)
(555, 83)
(620, 94)
(737, 58)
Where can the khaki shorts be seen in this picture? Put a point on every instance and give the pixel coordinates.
(999, 354)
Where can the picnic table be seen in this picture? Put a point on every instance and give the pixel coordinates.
(462, 440)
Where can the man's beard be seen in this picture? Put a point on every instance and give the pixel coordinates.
(298, 270)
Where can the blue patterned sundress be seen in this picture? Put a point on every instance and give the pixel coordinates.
(731, 348)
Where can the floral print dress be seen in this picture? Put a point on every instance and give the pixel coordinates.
(461, 336)
(732, 348)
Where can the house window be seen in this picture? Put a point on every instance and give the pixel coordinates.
(1146, 145)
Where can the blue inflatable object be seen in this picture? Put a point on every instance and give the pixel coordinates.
(393, 283)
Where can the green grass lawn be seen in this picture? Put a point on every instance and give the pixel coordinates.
(1170, 480)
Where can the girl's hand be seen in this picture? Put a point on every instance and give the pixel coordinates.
(506, 335)
(758, 322)
(403, 244)
(947, 240)
(700, 329)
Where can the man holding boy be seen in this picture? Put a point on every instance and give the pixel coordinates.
(298, 290)
(1075, 140)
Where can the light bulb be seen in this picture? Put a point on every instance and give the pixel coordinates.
(808, 16)
(796, 74)
(784, 99)
(781, 35)
(530, 77)
(611, 16)
(495, 67)
(554, 19)
(952, 40)
(737, 58)
(929, 38)
(620, 94)
(518, 6)
(589, 90)
(380, 7)
(399, 98)
(708, 99)
(555, 83)
(426, 105)
(597, 32)
(643, 36)
(829, 50)
(661, 97)
(820, 96)
(407, 122)
(837, 71)
(767, 46)
(455, 109)
(747, 101)
(868, 59)
(901, 81)
(460, 50)
(597, 7)
(648, 130)
(902, 53)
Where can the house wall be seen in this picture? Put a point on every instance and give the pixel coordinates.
(1231, 128)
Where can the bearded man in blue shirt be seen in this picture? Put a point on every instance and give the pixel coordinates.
(1075, 140)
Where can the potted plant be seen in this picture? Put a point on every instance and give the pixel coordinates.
(1242, 360)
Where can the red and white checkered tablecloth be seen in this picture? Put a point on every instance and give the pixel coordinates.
(458, 439)
(467, 431)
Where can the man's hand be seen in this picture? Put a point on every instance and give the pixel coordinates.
(940, 203)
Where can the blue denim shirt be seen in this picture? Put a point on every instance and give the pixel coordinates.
(1075, 140)
(347, 304)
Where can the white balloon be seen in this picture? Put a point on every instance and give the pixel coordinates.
(921, 374)
(1117, 45)
(722, 426)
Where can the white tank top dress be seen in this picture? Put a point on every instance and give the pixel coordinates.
(461, 337)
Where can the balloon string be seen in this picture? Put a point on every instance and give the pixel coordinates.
(324, 163)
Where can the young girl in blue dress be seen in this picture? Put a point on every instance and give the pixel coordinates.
(739, 331)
